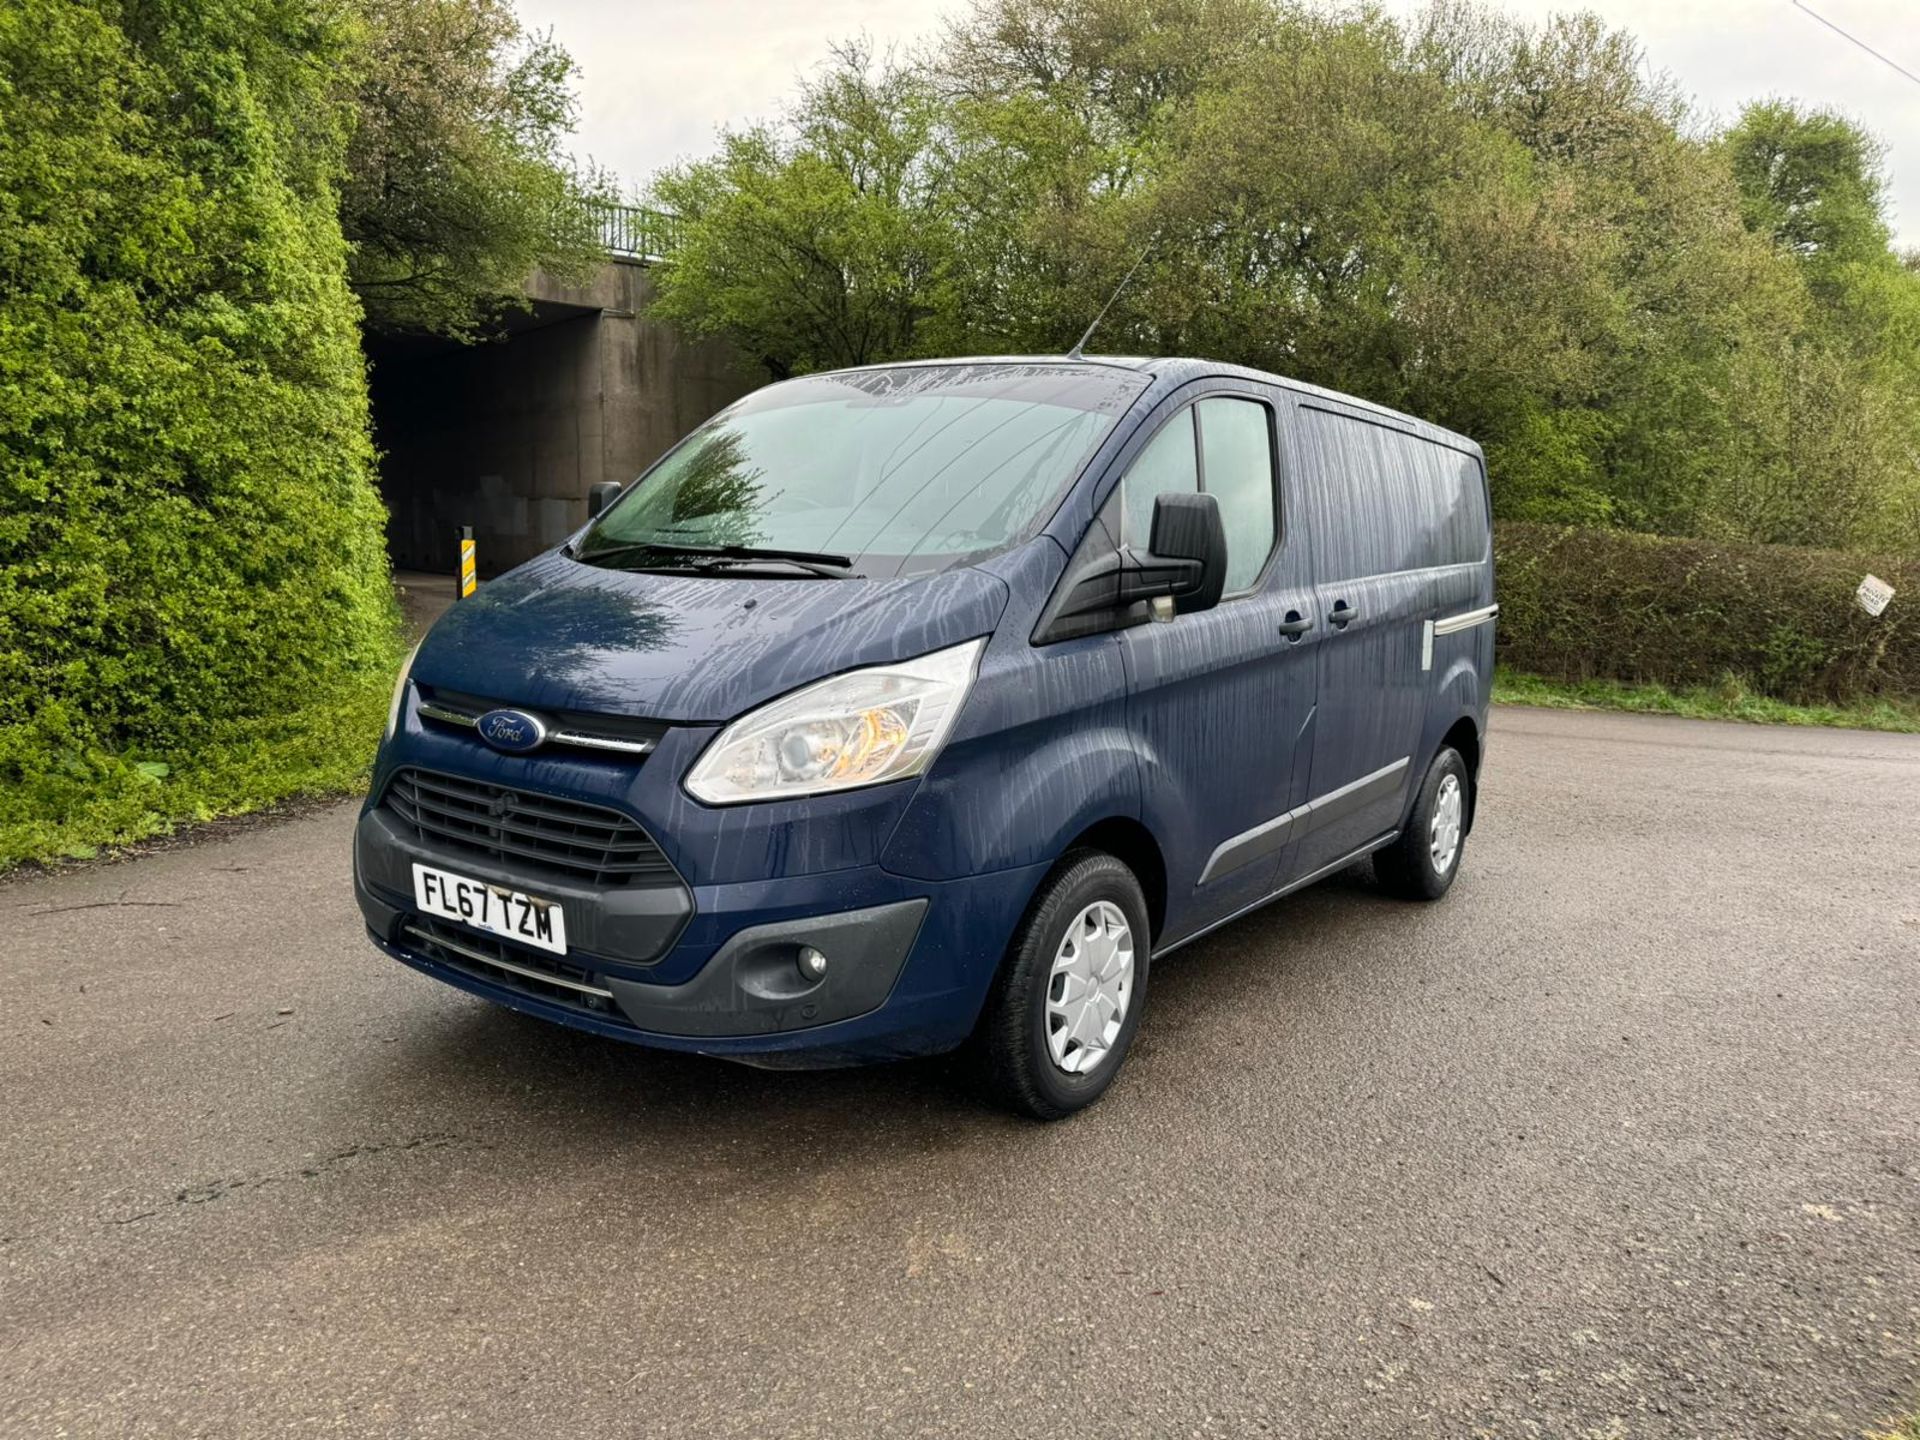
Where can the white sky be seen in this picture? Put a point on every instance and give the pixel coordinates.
(659, 78)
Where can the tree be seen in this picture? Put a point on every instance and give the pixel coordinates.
(1516, 231)
(825, 242)
(1066, 115)
(1677, 346)
(1811, 180)
(456, 189)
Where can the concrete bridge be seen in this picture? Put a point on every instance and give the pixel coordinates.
(507, 436)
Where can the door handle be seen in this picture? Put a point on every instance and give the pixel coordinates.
(1343, 614)
(1295, 625)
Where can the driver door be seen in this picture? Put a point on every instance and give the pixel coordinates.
(1220, 701)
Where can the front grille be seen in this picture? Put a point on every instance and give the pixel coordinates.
(602, 735)
(514, 967)
(583, 842)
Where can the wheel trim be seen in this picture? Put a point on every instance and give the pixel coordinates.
(1443, 831)
(1089, 988)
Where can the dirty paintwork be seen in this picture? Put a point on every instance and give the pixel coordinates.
(1226, 754)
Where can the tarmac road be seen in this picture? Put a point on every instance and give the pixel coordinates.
(1621, 1139)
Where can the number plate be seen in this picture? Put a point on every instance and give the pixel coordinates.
(526, 919)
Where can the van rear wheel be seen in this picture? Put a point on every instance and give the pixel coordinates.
(1064, 1008)
(1421, 864)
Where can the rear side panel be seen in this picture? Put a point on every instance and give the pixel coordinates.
(1400, 540)
(1457, 652)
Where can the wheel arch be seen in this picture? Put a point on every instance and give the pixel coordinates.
(1133, 845)
(1464, 735)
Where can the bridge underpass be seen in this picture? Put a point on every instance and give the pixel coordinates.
(509, 435)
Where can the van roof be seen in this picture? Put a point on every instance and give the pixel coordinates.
(1170, 372)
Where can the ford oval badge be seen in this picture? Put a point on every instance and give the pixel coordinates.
(514, 731)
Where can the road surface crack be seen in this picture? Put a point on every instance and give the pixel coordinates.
(335, 1162)
(121, 904)
(330, 1164)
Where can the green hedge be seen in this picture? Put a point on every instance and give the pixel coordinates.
(194, 606)
(1584, 604)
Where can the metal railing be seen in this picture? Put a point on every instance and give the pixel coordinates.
(638, 231)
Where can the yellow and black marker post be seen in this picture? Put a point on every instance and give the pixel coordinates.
(466, 581)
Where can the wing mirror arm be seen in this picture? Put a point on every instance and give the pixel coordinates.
(1147, 576)
(1125, 577)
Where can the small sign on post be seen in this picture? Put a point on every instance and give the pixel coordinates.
(1873, 594)
(465, 582)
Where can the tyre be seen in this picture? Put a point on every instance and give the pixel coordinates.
(1068, 998)
(1421, 864)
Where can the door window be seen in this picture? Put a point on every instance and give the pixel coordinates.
(1169, 465)
(1223, 447)
(1236, 465)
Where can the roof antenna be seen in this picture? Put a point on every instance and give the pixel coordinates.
(1074, 353)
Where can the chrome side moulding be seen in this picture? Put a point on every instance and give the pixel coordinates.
(1285, 890)
(1250, 845)
(1268, 836)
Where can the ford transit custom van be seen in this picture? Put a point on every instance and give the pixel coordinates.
(927, 705)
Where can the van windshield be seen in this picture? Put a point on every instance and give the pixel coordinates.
(901, 470)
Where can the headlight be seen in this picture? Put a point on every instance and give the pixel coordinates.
(882, 723)
(399, 692)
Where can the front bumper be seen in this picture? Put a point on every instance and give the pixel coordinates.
(909, 961)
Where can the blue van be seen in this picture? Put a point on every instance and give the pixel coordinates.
(931, 704)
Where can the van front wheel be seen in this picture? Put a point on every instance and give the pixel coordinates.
(1421, 864)
(1067, 1001)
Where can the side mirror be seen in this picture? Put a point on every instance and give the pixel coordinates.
(601, 496)
(1186, 557)
(1185, 561)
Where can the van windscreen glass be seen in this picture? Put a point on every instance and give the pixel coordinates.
(899, 471)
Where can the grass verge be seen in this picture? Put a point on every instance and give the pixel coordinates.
(1730, 700)
(323, 750)
(1908, 1429)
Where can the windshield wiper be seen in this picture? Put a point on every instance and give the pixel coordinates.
(708, 556)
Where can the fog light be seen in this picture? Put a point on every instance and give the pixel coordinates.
(813, 965)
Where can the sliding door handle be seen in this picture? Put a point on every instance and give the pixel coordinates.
(1343, 614)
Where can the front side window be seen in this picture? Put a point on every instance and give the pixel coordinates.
(902, 470)
(1222, 447)
(1169, 465)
